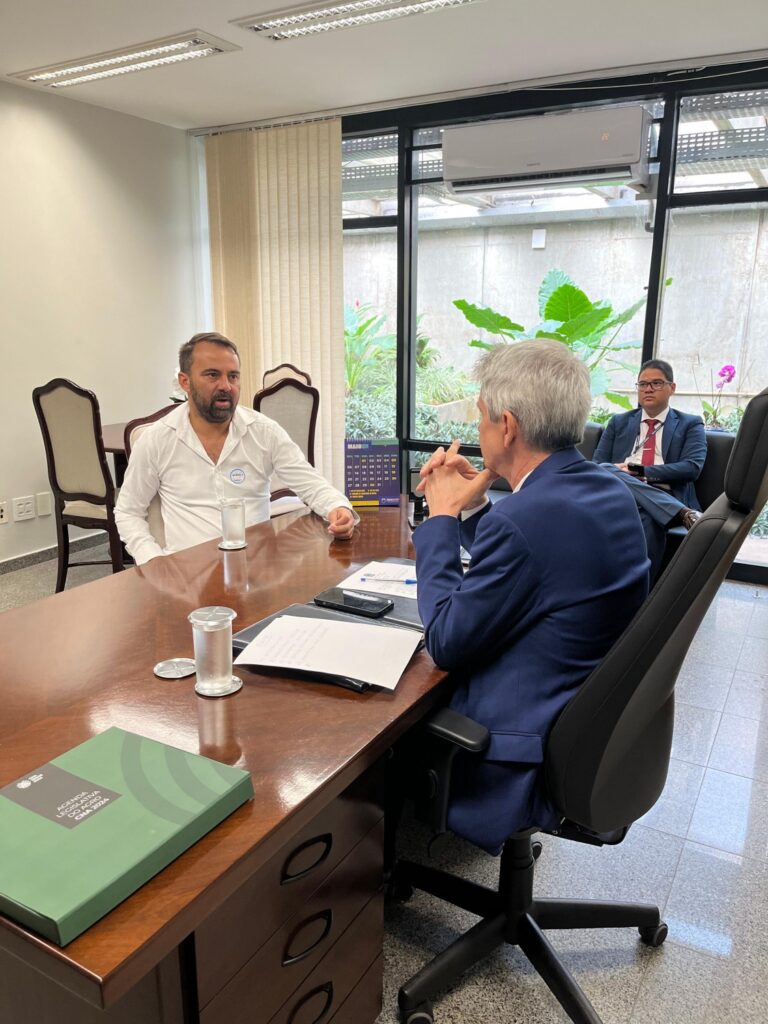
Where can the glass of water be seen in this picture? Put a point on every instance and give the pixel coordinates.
(232, 524)
(212, 636)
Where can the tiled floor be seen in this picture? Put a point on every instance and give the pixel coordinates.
(23, 586)
(701, 853)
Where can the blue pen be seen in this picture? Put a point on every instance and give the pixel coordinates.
(383, 579)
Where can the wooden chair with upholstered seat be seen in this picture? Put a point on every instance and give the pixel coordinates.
(294, 406)
(82, 486)
(132, 431)
(285, 371)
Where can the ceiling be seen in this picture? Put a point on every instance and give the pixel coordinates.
(479, 46)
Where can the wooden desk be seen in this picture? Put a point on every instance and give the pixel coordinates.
(203, 940)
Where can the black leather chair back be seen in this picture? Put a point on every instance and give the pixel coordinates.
(592, 434)
(608, 753)
(710, 482)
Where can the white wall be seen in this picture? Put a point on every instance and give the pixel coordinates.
(98, 268)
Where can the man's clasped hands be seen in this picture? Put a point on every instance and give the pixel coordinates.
(451, 483)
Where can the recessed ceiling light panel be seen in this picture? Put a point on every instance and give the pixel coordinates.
(152, 54)
(314, 19)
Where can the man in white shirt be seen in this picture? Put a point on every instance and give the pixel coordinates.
(210, 449)
(658, 446)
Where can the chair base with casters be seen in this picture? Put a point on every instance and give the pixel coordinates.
(605, 758)
(512, 915)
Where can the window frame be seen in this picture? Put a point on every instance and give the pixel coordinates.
(670, 86)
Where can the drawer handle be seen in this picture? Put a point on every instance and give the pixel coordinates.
(328, 990)
(325, 844)
(293, 958)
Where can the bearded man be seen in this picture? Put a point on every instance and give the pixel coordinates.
(211, 449)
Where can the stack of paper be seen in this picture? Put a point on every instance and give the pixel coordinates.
(392, 578)
(359, 651)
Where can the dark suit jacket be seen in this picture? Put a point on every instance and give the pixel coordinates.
(683, 447)
(555, 577)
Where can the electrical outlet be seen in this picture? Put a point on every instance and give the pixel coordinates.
(3, 512)
(23, 508)
(43, 503)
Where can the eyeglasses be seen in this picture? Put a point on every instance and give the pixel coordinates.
(651, 385)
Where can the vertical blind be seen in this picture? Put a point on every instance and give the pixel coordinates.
(274, 202)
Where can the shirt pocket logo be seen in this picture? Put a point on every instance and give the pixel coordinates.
(237, 476)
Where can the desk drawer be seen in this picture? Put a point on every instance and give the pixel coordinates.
(323, 994)
(302, 942)
(231, 936)
(363, 1004)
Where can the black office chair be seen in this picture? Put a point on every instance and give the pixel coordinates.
(708, 486)
(606, 759)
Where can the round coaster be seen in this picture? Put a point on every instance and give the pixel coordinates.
(175, 668)
(234, 685)
(232, 545)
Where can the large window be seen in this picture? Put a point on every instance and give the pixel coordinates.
(715, 318)
(569, 262)
(369, 205)
(678, 271)
(722, 142)
(370, 332)
(714, 315)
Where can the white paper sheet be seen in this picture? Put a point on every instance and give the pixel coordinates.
(384, 578)
(372, 654)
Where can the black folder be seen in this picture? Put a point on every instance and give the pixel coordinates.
(243, 637)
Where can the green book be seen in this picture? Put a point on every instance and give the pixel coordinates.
(80, 834)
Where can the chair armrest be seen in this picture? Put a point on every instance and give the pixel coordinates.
(456, 728)
(444, 734)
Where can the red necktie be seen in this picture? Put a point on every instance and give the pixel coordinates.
(649, 445)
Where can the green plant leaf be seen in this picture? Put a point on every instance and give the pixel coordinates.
(621, 400)
(552, 281)
(487, 319)
(617, 345)
(598, 380)
(566, 302)
(585, 325)
(549, 325)
(707, 407)
(485, 345)
(552, 335)
(623, 318)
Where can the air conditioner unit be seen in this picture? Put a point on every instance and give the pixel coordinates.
(607, 145)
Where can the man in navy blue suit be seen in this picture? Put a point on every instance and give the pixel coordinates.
(656, 445)
(557, 571)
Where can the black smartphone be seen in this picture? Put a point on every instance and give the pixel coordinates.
(369, 605)
(636, 469)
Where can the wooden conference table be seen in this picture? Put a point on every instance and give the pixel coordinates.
(276, 915)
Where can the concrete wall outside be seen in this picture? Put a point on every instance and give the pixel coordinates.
(714, 312)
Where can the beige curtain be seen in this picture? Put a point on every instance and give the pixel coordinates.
(274, 202)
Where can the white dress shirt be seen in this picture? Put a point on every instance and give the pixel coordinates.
(169, 460)
(637, 453)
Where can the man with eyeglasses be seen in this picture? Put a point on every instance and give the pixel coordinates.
(658, 452)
